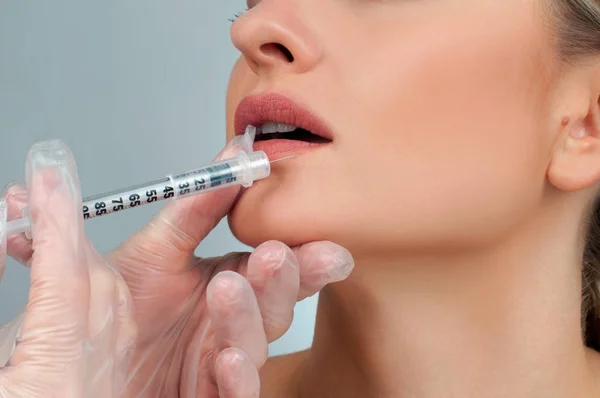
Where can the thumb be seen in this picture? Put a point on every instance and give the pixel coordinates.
(55, 324)
(173, 235)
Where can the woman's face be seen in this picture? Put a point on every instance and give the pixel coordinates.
(438, 111)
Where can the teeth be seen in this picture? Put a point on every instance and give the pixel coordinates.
(271, 127)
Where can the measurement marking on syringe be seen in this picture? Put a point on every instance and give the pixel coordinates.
(119, 201)
(188, 183)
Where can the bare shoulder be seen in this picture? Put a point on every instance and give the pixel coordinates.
(279, 376)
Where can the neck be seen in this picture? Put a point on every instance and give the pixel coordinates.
(499, 322)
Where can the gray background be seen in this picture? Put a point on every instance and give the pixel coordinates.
(136, 88)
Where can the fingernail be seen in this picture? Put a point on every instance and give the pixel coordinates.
(271, 254)
(341, 265)
(56, 155)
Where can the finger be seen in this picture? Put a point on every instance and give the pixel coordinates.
(322, 263)
(19, 247)
(178, 229)
(175, 233)
(235, 316)
(273, 274)
(55, 324)
(236, 374)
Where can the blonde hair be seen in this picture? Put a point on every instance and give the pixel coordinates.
(576, 27)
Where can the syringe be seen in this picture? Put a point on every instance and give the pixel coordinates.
(242, 169)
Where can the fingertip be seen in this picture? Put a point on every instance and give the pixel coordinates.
(229, 359)
(50, 164)
(53, 188)
(10, 186)
(342, 262)
(52, 153)
(327, 258)
(15, 195)
(237, 375)
(225, 289)
(271, 251)
(266, 261)
(322, 263)
(14, 188)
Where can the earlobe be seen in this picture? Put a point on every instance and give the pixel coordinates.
(575, 163)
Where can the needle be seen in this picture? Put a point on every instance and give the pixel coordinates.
(279, 160)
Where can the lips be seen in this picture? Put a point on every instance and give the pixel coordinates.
(259, 109)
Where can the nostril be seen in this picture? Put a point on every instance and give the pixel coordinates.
(276, 49)
(286, 52)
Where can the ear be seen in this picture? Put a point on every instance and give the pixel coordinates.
(575, 163)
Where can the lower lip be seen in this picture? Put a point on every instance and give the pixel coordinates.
(281, 148)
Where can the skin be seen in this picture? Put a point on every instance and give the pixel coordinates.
(467, 279)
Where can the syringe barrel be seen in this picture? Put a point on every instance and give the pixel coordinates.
(243, 170)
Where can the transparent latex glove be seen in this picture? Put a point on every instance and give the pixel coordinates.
(204, 324)
(75, 337)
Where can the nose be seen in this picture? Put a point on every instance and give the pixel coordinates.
(272, 37)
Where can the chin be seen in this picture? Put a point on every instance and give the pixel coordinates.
(269, 211)
(252, 225)
(276, 210)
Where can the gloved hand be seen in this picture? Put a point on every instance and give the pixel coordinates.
(76, 335)
(204, 324)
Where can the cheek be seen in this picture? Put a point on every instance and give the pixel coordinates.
(452, 146)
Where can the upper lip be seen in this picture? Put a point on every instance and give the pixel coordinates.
(256, 110)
